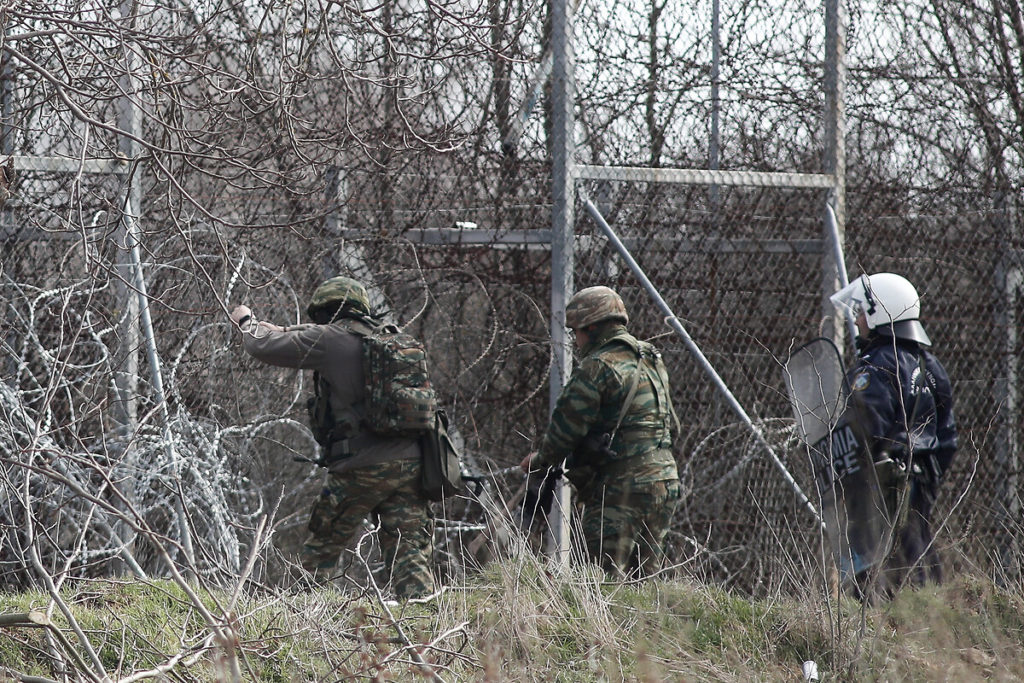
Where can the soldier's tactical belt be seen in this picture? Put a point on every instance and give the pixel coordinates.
(622, 466)
(650, 433)
(342, 449)
(641, 430)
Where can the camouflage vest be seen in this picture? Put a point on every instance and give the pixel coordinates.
(647, 411)
(633, 435)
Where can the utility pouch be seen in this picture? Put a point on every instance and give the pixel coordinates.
(318, 407)
(442, 469)
(330, 453)
(335, 451)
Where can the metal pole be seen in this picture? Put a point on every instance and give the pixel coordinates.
(6, 104)
(713, 146)
(124, 407)
(153, 357)
(716, 379)
(835, 143)
(832, 233)
(534, 90)
(9, 339)
(137, 302)
(1007, 446)
(1009, 281)
(562, 221)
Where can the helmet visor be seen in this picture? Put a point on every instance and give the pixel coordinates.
(850, 298)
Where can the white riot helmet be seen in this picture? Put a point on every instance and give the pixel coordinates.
(890, 304)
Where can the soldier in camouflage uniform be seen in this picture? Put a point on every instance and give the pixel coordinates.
(612, 425)
(370, 477)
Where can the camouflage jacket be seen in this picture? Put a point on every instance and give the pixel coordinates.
(592, 401)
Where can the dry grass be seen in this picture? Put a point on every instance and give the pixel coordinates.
(519, 620)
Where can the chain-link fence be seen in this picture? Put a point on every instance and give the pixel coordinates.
(130, 411)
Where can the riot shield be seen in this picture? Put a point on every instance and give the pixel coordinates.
(857, 501)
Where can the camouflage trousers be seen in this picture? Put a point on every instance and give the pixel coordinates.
(625, 523)
(389, 496)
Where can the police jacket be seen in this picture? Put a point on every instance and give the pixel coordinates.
(902, 400)
(593, 399)
(336, 353)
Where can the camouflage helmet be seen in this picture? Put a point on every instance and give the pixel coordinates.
(593, 305)
(342, 292)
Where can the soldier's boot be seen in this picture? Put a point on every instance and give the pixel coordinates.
(408, 560)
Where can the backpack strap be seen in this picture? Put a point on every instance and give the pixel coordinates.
(629, 398)
(364, 327)
(645, 353)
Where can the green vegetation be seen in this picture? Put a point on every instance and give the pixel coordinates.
(518, 621)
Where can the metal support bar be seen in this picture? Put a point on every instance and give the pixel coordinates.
(146, 323)
(478, 236)
(70, 165)
(481, 237)
(701, 176)
(832, 230)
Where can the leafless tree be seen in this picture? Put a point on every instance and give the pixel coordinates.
(268, 144)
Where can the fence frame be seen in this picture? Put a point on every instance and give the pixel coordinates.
(558, 66)
(565, 175)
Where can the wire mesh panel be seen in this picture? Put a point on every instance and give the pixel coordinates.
(743, 279)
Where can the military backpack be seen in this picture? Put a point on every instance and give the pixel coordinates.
(400, 399)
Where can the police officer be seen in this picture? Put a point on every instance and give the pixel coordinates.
(612, 424)
(369, 476)
(902, 404)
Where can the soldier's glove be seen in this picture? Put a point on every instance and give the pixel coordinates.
(540, 494)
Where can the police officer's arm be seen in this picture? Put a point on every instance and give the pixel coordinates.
(874, 404)
(945, 421)
(577, 410)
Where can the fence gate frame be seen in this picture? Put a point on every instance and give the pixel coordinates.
(565, 173)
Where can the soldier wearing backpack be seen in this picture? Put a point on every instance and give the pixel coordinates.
(612, 426)
(373, 472)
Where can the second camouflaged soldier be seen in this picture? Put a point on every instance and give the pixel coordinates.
(612, 425)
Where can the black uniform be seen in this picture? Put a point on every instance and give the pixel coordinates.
(903, 404)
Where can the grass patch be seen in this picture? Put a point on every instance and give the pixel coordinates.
(520, 621)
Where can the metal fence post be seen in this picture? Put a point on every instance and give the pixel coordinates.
(124, 408)
(1009, 287)
(7, 130)
(562, 221)
(835, 153)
